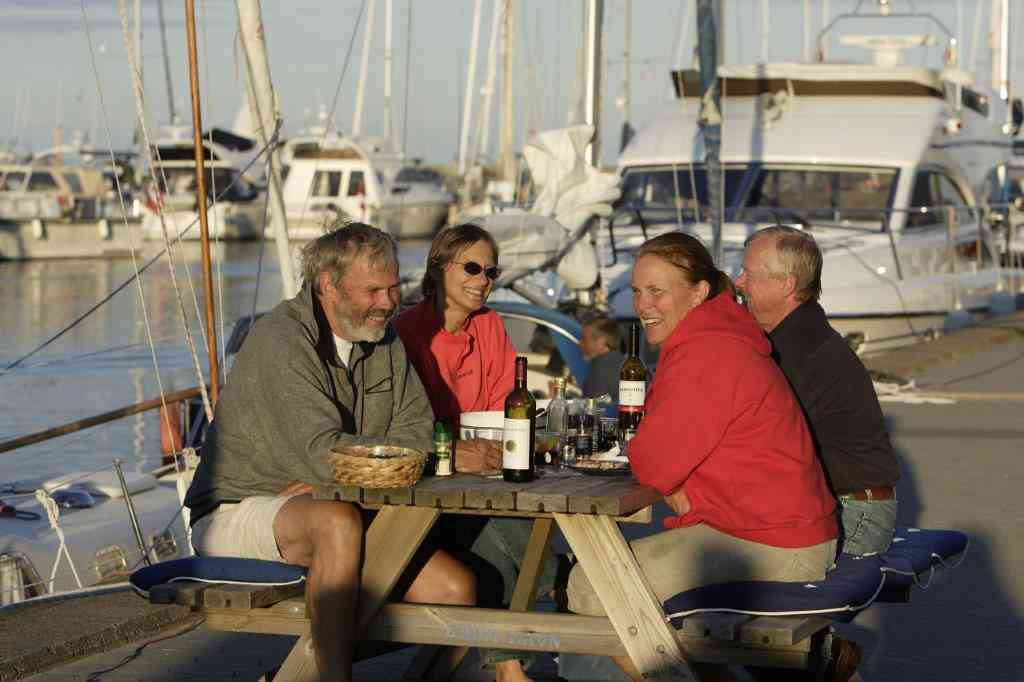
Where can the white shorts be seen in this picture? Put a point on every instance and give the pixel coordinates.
(245, 529)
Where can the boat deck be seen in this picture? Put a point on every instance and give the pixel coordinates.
(959, 439)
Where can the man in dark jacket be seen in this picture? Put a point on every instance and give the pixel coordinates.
(781, 282)
(320, 371)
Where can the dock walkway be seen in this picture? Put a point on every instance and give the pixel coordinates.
(962, 468)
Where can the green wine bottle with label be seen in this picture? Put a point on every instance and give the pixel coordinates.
(517, 464)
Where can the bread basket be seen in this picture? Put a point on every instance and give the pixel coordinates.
(376, 466)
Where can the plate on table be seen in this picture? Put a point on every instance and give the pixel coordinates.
(600, 467)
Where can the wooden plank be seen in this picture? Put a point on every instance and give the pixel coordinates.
(392, 539)
(632, 607)
(769, 631)
(550, 495)
(537, 550)
(300, 666)
(342, 493)
(387, 495)
(260, 621)
(248, 596)
(615, 497)
(446, 492)
(184, 592)
(493, 494)
(714, 625)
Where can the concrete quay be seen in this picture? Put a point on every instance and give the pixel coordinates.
(960, 437)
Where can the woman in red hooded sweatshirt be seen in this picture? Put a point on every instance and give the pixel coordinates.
(723, 439)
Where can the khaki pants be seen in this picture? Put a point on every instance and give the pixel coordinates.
(681, 559)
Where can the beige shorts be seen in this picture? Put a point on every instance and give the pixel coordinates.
(242, 530)
(681, 559)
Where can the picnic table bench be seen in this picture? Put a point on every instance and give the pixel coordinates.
(588, 510)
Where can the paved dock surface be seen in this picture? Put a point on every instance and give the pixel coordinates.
(963, 468)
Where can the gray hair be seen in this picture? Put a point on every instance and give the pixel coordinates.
(334, 252)
(796, 254)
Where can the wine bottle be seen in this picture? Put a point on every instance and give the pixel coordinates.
(632, 387)
(517, 464)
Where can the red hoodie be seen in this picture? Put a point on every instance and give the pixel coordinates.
(464, 372)
(722, 422)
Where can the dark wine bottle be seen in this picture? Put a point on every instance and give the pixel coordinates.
(632, 387)
(517, 465)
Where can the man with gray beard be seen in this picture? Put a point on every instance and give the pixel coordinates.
(322, 370)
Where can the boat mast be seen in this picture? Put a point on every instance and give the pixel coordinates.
(204, 229)
(482, 140)
(627, 85)
(263, 105)
(167, 59)
(467, 110)
(388, 129)
(507, 161)
(357, 116)
(592, 96)
(711, 118)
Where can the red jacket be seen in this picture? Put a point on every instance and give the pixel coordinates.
(722, 422)
(464, 372)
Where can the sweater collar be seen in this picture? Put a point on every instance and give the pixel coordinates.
(800, 332)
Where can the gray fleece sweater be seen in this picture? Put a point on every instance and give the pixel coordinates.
(289, 401)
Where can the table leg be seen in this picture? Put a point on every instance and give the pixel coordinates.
(439, 663)
(632, 607)
(391, 541)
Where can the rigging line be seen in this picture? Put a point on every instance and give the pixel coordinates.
(259, 258)
(124, 213)
(334, 102)
(141, 114)
(408, 60)
(181, 233)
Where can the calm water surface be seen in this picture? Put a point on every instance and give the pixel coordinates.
(104, 362)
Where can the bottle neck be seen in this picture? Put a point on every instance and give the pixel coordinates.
(520, 373)
(634, 340)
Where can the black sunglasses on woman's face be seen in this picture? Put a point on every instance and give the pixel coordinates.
(473, 269)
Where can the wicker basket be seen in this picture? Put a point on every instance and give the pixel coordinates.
(377, 466)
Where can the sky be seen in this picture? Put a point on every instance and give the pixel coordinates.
(48, 48)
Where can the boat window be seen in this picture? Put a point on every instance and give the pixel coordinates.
(13, 182)
(326, 184)
(974, 100)
(673, 191)
(74, 182)
(932, 192)
(849, 196)
(356, 184)
(412, 174)
(40, 181)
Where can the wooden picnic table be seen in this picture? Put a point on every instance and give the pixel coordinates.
(587, 509)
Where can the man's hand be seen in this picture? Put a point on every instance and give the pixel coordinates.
(678, 501)
(477, 456)
(295, 488)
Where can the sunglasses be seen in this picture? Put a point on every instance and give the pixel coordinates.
(473, 269)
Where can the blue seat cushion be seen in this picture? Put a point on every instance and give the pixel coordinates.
(217, 570)
(916, 553)
(854, 584)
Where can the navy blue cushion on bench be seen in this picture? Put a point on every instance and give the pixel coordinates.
(852, 586)
(916, 553)
(217, 570)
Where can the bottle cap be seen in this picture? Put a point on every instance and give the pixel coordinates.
(591, 403)
(559, 382)
(440, 430)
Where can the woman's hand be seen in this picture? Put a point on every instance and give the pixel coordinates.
(477, 456)
(678, 501)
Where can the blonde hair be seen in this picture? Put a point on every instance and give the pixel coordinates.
(796, 254)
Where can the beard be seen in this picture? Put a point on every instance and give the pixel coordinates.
(356, 324)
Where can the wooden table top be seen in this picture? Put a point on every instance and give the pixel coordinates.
(564, 491)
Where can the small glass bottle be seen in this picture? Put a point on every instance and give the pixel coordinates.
(442, 450)
(572, 429)
(585, 437)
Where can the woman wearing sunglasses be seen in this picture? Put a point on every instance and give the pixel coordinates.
(466, 361)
